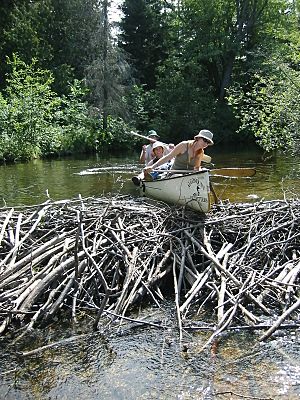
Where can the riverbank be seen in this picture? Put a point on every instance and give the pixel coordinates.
(103, 257)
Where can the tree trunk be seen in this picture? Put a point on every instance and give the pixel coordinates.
(226, 78)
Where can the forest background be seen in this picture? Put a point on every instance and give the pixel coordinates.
(74, 80)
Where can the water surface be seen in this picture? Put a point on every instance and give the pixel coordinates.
(35, 182)
(131, 362)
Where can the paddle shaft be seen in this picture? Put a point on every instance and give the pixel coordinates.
(226, 172)
(246, 172)
(143, 137)
(206, 158)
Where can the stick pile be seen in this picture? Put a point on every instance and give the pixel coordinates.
(241, 262)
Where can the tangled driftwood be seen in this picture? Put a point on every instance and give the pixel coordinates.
(104, 255)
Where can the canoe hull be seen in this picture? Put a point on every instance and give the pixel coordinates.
(191, 190)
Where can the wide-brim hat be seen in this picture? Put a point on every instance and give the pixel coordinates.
(206, 134)
(152, 133)
(158, 144)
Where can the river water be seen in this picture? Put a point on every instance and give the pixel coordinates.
(35, 182)
(133, 362)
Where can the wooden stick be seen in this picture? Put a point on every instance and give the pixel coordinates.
(54, 344)
(177, 301)
(41, 214)
(233, 172)
(280, 320)
(255, 247)
(5, 223)
(227, 273)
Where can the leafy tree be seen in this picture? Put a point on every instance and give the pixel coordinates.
(108, 74)
(27, 111)
(140, 103)
(6, 22)
(57, 33)
(219, 34)
(143, 36)
(78, 128)
(36, 122)
(186, 57)
(267, 96)
(184, 105)
(270, 109)
(213, 45)
(72, 39)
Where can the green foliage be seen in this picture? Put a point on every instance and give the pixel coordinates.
(184, 106)
(136, 102)
(266, 94)
(210, 45)
(116, 137)
(270, 109)
(57, 33)
(186, 56)
(143, 37)
(27, 111)
(77, 125)
(26, 33)
(35, 122)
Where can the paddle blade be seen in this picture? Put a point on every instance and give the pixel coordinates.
(233, 172)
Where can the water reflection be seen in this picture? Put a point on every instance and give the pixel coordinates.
(35, 182)
(147, 363)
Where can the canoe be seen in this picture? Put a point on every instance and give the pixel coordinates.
(190, 190)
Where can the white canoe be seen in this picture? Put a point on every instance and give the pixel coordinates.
(190, 190)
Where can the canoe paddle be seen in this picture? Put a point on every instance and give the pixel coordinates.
(224, 172)
(206, 158)
(246, 172)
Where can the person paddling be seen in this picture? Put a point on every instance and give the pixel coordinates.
(147, 149)
(188, 154)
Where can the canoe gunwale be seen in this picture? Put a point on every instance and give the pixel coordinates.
(176, 176)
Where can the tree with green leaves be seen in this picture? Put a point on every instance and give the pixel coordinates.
(270, 108)
(108, 74)
(266, 98)
(26, 113)
(73, 40)
(57, 33)
(36, 122)
(213, 46)
(221, 35)
(143, 37)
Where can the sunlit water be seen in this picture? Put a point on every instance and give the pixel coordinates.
(35, 182)
(147, 363)
(143, 362)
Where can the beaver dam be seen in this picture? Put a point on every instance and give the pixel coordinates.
(103, 257)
